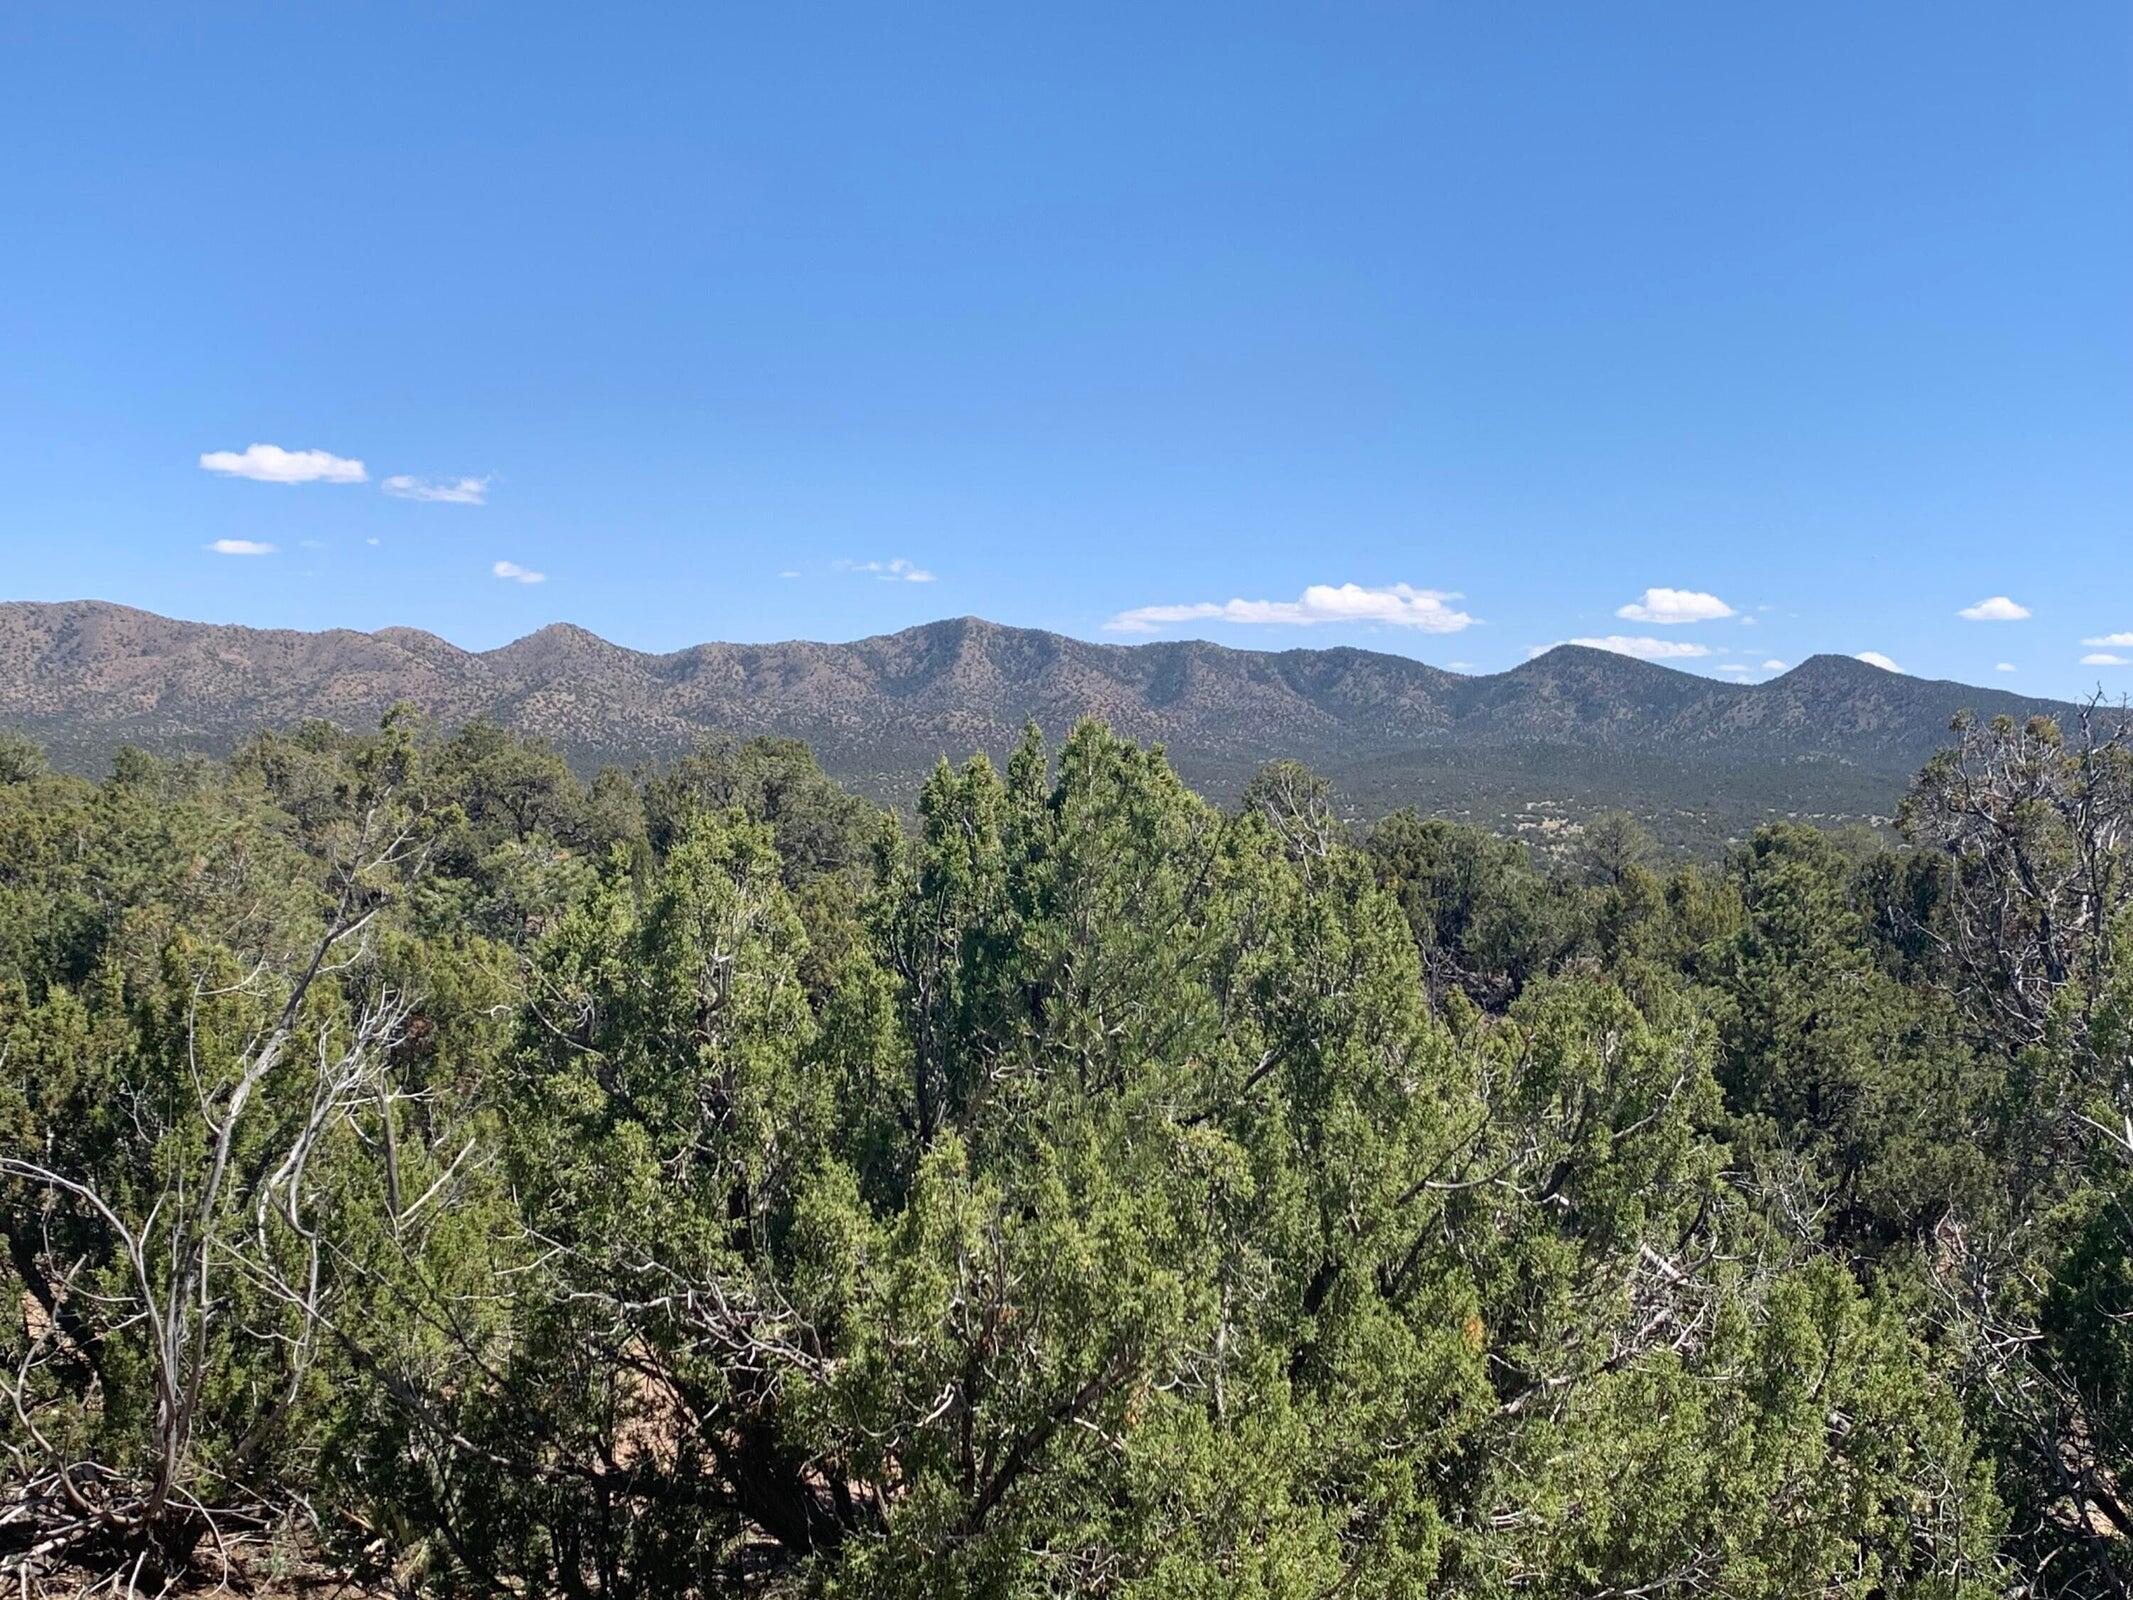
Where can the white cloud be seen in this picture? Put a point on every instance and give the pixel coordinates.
(1399, 604)
(444, 491)
(370, 541)
(897, 571)
(241, 547)
(1997, 609)
(2111, 641)
(270, 463)
(1458, 666)
(1773, 665)
(517, 573)
(1644, 649)
(2004, 666)
(1669, 606)
(2103, 658)
(1736, 666)
(789, 573)
(1874, 658)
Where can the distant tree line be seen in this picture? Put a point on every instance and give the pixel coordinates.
(420, 1164)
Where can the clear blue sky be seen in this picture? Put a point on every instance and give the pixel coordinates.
(1083, 309)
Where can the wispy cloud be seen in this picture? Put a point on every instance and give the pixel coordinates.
(242, 547)
(1644, 649)
(1670, 606)
(1398, 604)
(2004, 666)
(270, 463)
(518, 574)
(1742, 667)
(896, 571)
(1997, 609)
(2103, 658)
(443, 491)
(2111, 641)
(1874, 658)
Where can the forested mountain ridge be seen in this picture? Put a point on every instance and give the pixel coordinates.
(1573, 726)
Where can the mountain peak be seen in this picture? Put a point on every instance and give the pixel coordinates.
(1591, 658)
(558, 633)
(557, 647)
(1841, 668)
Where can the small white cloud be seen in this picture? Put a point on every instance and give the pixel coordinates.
(1773, 665)
(788, 573)
(1736, 666)
(270, 463)
(1997, 609)
(517, 573)
(312, 544)
(1398, 604)
(241, 547)
(1874, 658)
(444, 491)
(370, 541)
(2103, 658)
(1669, 606)
(2004, 666)
(1458, 666)
(1645, 649)
(2111, 641)
(896, 571)
(1749, 622)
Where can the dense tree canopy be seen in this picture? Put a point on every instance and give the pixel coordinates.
(417, 1161)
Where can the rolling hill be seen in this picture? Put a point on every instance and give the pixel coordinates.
(1568, 732)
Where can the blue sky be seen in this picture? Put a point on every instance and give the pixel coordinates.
(1085, 314)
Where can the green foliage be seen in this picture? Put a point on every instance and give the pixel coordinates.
(1829, 1059)
(692, 1182)
(818, 828)
(1485, 919)
(1612, 845)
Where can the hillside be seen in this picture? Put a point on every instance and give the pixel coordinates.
(1570, 731)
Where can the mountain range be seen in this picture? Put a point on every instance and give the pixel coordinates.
(1530, 749)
